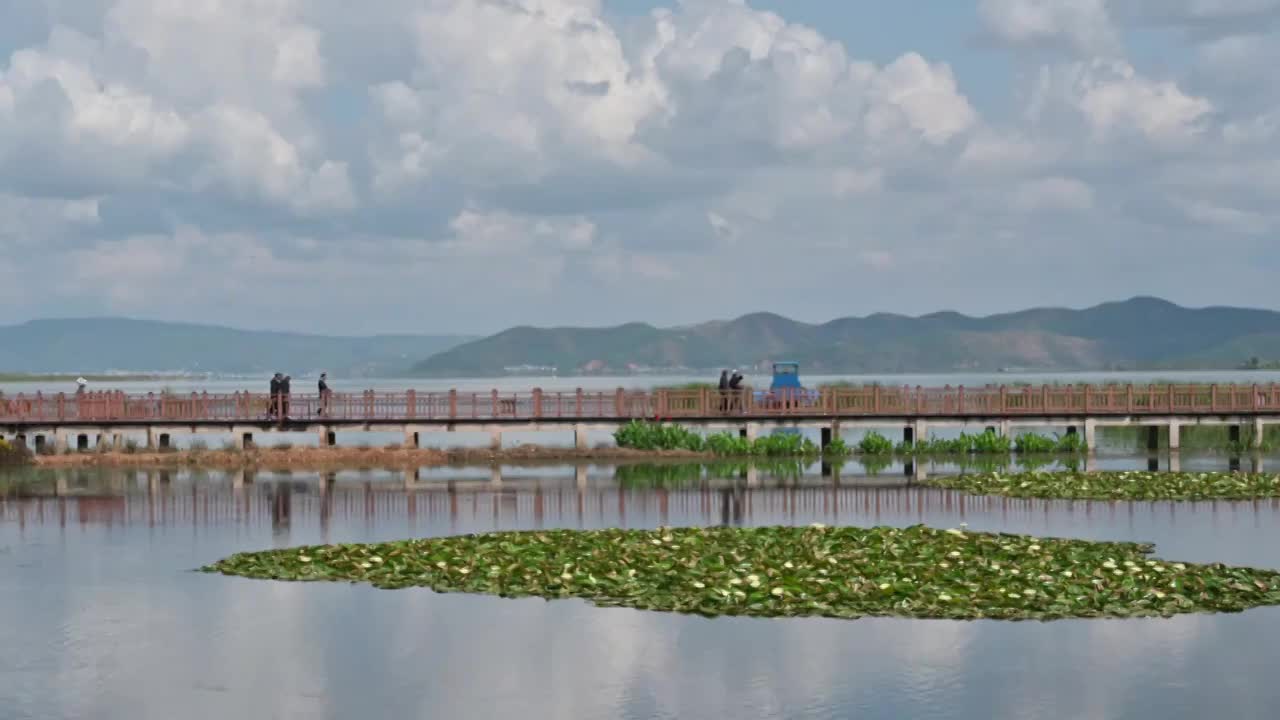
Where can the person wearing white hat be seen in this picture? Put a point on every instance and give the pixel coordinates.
(80, 385)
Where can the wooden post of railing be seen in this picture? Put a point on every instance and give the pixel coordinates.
(493, 399)
(577, 408)
(1044, 398)
(1128, 398)
(1169, 393)
(1086, 398)
(660, 403)
(1213, 397)
(1004, 400)
(619, 403)
(537, 403)
(410, 404)
(960, 401)
(920, 402)
(62, 406)
(1253, 395)
(875, 399)
(453, 404)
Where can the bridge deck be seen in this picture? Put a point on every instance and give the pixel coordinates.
(577, 406)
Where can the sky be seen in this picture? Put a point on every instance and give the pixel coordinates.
(469, 165)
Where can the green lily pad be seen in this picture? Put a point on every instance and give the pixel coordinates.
(788, 571)
(1127, 485)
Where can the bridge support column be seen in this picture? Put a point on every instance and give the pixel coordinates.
(1259, 432)
(1006, 429)
(495, 475)
(1175, 461)
(580, 437)
(60, 441)
(102, 442)
(117, 441)
(919, 431)
(495, 440)
(580, 476)
(151, 438)
(1256, 464)
(411, 438)
(1175, 435)
(1091, 435)
(751, 431)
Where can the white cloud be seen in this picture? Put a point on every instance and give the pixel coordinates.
(1054, 193)
(1084, 25)
(1114, 99)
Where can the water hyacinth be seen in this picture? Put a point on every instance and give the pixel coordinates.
(790, 571)
(1127, 485)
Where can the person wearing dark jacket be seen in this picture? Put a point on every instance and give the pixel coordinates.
(724, 391)
(273, 402)
(323, 386)
(735, 387)
(284, 397)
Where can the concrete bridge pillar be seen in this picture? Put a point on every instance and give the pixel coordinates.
(325, 437)
(1006, 429)
(102, 441)
(751, 431)
(1175, 435)
(117, 441)
(580, 476)
(1259, 430)
(1175, 461)
(495, 440)
(753, 476)
(1256, 464)
(919, 432)
(151, 438)
(1091, 435)
(411, 438)
(580, 437)
(60, 441)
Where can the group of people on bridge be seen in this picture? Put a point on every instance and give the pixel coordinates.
(278, 407)
(730, 390)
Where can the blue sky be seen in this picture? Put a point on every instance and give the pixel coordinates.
(468, 165)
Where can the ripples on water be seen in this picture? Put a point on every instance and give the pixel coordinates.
(103, 618)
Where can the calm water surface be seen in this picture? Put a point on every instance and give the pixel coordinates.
(104, 618)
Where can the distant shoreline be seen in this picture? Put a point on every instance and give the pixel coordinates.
(93, 378)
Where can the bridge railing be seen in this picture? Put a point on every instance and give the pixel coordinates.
(538, 404)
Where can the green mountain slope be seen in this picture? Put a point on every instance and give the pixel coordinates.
(1135, 333)
(110, 344)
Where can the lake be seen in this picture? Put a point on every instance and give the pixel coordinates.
(104, 617)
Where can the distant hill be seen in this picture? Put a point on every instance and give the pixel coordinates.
(1142, 332)
(115, 344)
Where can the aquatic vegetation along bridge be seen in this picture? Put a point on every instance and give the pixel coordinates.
(914, 409)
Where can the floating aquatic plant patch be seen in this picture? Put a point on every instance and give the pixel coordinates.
(1128, 485)
(789, 571)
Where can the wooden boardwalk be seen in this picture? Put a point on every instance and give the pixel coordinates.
(104, 409)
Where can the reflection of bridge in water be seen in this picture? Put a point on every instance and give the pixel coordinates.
(533, 503)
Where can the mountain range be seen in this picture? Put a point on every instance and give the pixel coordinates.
(1139, 333)
(90, 345)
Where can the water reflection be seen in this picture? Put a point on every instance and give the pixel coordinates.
(95, 565)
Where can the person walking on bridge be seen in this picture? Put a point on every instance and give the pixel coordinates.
(325, 392)
(284, 397)
(724, 391)
(735, 389)
(273, 401)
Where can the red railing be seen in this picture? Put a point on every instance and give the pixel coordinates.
(455, 406)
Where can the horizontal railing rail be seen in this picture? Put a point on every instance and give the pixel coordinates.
(619, 405)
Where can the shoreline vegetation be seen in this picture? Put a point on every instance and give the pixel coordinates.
(841, 572)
